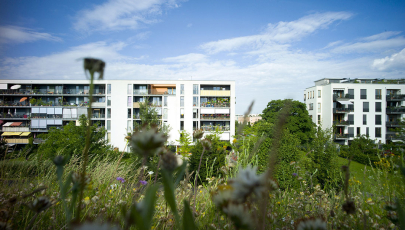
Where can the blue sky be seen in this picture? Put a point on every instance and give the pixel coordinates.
(273, 49)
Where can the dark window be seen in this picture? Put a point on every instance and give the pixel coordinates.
(363, 94)
(378, 94)
(351, 93)
(378, 119)
(378, 106)
(365, 107)
(377, 132)
(367, 132)
(358, 131)
(351, 119)
(181, 125)
(364, 119)
(319, 119)
(129, 113)
(351, 107)
(351, 132)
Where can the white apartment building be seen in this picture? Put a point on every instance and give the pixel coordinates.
(356, 107)
(31, 107)
(251, 118)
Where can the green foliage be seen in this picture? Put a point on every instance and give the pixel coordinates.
(148, 115)
(185, 143)
(212, 160)
(71, 139)
(323, 158)
(298, 122)
(362, 149)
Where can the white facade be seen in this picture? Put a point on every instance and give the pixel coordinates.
(357, 107)
(183, 105)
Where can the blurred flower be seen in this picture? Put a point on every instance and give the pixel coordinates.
(86, 200)
(198, 134)
(40, 204)
(150, 172)
(94, 199)
(94, 65)
(206, 144)
(294, 174)
(169, 161)
(143, 182)
(121, 179)
(312, 224)
(147, 142)
(247, 182)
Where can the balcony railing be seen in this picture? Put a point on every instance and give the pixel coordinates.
(215, 93)
(393, 123)
(393, 136)
(342, 110)
(395, 110)
(14, 116)
(396, 97)
(17, 141)
(341, 123)
(16, 129)
(154, 92)
(98, 116)
(338, 97)
(206, 104)
(341, 136)
(214, 128)
(214, 117)
(49, 92)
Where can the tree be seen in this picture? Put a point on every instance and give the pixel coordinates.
(362, 149)
(298, 122)
(185, 143)
(71, 140)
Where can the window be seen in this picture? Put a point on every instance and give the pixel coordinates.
(319, 94)
(378, 119)
(351, 93)
(165, 113)
(363, 94)
(109, 101)
(108, 125)
(129, 104)
(195, 101)
(378, 94)
(311, 106)
(351, 107)
(195, 113)
(109, 89)
(165, 101)
(350, 119)
(129, 113)
(195, 89)
(129, 126)
(181, 113)
(377, 132)
(367, 132)
(109, 137)
(319, 107)
(195, 125)
(351, 131)
(365, 107)
(364, 119)
(358, 131)
(182, 101)
(129, 91)
(109, 113)
(181, 89)
(319, 119)
(181, 125)
(378, 106)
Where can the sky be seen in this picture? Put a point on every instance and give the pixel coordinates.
(272, 49)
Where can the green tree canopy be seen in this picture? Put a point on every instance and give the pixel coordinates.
(71, 140)
(298, 122)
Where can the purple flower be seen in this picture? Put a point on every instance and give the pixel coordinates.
(143, 182)
(121, 179)
(294, 174)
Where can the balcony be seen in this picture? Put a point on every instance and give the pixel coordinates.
(98, 116)
(341, 136)
(341, 123)
(210, 104)
(395, 110)
(393, 123)
(157, 91)
(393, 136)
(342, 110)
(17, 141)
(16, 129)
(215, 93)
(6, 116)
(214, 117)
(396, 97)
(342, 97)
(214, 128)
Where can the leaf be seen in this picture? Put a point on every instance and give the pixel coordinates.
(181, 170)
(148, 207)
(188, 219)
(169, 194)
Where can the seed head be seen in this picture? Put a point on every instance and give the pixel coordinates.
(198, 134)
(40, 204)
(169, 161)
(349, 207)
(206, 144)
(94, 65)
(147, 142)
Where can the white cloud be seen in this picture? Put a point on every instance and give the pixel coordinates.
(188, 58)
(370, 46)
(120, 14)
(332, 44)
(14, 34)
(394, 62)
(381, 36)
(282, 32)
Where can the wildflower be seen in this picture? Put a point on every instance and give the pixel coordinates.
(312, 223)
(367, 212)
(198, 134)
(59, 161)
(150, 172)
(169, 161)
(143, 182)
(246, 182)
(121, 179)
(294, 174)
(94, 199)
(147, 142)
(94, 65)
(113, 186)
(86, 200)
(77, 179)
(292, 162)
(206, 144)
(239, 215)
(40, 204)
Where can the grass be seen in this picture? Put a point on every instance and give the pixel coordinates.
(357, 172)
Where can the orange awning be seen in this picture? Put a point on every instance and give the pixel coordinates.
(23, 99)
